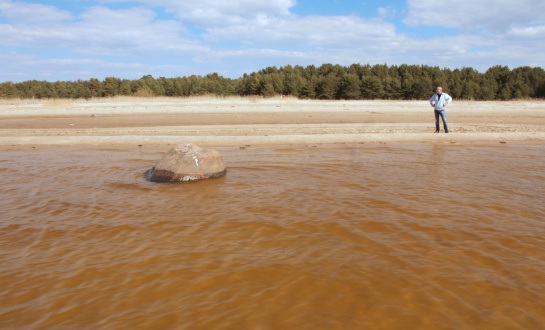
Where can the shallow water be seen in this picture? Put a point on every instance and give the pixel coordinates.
(368, 236)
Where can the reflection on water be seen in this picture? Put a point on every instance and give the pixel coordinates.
(366, 236)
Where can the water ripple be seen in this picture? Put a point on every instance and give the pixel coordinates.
(367, 236)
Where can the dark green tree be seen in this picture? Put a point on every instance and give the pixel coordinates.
(349, 87)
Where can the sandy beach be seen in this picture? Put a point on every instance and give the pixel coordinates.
(333, 214)
(206, 121)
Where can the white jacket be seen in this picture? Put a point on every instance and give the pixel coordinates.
(439, 103)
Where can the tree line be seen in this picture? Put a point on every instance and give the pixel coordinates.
(326, 82)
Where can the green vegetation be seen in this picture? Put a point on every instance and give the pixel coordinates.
(327, 82)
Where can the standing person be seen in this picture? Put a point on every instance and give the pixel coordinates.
(438, 101)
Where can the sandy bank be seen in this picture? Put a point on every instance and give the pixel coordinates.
(124, 122)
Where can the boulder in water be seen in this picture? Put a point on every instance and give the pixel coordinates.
(187, 162)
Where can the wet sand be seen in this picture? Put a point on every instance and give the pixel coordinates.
(130, 122)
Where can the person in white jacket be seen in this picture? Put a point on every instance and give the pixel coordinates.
(438, 102)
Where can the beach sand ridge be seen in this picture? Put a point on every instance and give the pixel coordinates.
(129, 122)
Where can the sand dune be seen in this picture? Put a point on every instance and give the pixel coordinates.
(132, 122)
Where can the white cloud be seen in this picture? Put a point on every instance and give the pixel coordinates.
(104, 31)
(491, 15)
(244, 24)
(528, 32)
(246, 35)
(123, 32)
(300, 32)
(387, 11)
(29, 67)
(211, 13)
(31, 13)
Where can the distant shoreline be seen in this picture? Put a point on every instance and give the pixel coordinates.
(123, 122)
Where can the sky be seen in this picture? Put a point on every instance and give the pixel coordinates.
(128, 39)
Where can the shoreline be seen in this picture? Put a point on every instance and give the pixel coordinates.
(211, 122)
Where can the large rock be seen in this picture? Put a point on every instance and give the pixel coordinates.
(187, 162)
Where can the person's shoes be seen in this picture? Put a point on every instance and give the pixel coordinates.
(446, 131)
(436, 132)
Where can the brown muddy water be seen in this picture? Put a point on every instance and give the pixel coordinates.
(371, 236)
